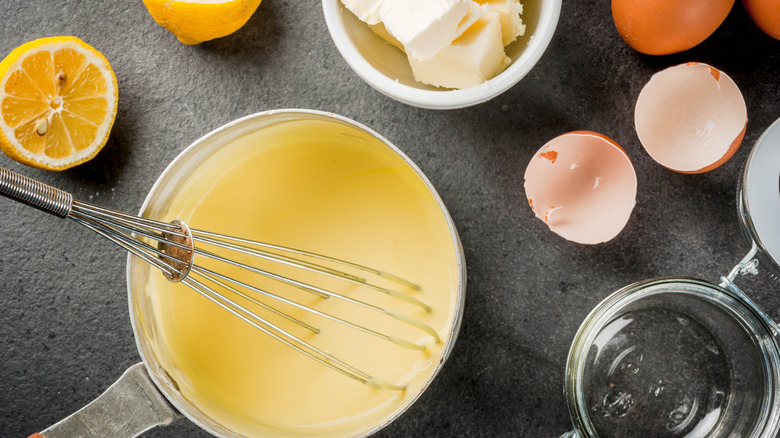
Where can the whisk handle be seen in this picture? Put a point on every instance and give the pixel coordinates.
(35, 193)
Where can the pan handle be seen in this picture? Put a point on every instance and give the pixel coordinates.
(129, 407)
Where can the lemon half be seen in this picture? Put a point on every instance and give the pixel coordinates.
(195, 21)
(58, 101)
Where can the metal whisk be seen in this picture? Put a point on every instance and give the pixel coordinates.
(175, 255)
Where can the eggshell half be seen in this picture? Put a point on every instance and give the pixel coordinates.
(690, 118)
(662, 27)
(583, 186)
(766, 15)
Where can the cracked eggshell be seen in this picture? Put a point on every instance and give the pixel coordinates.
(583, 186)
(690, 118)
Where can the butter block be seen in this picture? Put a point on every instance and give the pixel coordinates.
(381, 31)
(509, 12)
(476, 56)
(424, 27)
(367, 11)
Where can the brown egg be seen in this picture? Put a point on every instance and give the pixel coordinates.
(766, 15)
(662, 27)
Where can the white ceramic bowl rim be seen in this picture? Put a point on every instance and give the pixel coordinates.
(449, 99)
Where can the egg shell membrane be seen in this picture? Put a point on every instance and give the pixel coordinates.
(663, 27)
(583, 186)
(690, 118)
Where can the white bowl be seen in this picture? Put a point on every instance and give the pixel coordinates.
(386, 68)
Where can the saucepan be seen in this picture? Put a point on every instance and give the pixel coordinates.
(153, 393)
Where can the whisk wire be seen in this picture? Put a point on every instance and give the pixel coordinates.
(148, 228)
(288, 339)
(288, 281)
(406, 344)
(381, 274)
(314, 289)
(86, 208)
(279, 258)
(117, 226)
(134, 246)
(224, 285)
(311, 267)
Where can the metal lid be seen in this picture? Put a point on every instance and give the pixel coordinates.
(759, 198)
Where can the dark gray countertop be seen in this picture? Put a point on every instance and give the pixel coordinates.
(65, 334)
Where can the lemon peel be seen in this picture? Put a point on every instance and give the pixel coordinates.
(194, 21)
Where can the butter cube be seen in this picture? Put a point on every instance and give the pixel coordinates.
(366, 10)
(473, 58)
(381, 31)
(509, 11)
(424, 27)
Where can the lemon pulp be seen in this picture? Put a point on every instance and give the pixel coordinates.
(58, 100)
(328, 188)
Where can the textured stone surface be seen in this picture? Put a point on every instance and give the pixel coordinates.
(65, 333)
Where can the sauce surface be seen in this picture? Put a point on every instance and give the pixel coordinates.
(327, 188)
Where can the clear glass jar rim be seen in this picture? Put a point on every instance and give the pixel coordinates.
(745, 312)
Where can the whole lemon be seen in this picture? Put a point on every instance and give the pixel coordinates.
(195, 21)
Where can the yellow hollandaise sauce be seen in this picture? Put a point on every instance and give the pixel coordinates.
(328, 188)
